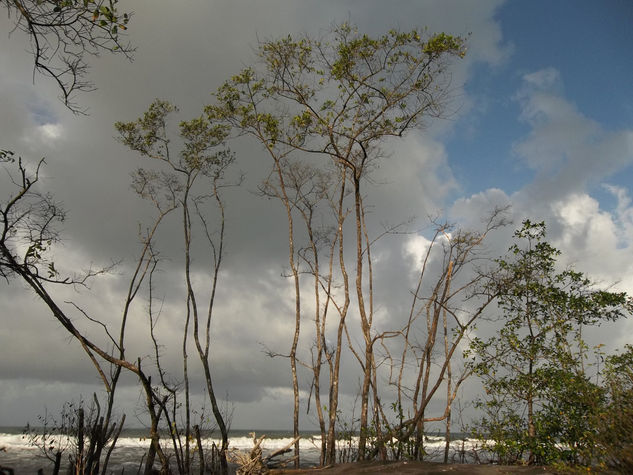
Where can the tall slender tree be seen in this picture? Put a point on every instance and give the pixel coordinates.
(189, 179)
(339, 97)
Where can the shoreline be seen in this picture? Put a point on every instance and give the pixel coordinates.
(427, 468)
(377, 467)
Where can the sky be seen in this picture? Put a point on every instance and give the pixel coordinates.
(541, 119)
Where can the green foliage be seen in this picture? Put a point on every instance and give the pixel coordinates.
(566, 418)
(340, 94)
(615, 421)
(346, 440)
(402, 447)
(540, 404)
(200, 138)
(502, 431)
(187, 181)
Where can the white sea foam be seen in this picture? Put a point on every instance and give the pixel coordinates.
(307, 441)
(16, 450)
(272, 443)
(17, 441)
(20, 441)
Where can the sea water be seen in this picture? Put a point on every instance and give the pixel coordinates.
(18, 453)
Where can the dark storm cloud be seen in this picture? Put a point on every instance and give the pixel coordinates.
(184, 52)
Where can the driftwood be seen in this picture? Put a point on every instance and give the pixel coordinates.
(255, 463)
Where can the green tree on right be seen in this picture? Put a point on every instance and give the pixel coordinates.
(543, 397)
(615, 420)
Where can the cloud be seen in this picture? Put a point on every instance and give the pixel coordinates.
(568, 150)
(592, 240)
(574, 158)
(51, 131)
(471, 211)
(623, 213)
(413, 181)
(598, 243)
(545, 79)
(595, 240)
(416, 247)
(183, 55)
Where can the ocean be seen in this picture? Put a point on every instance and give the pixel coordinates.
(17, 453)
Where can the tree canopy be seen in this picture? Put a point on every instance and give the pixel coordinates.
(539, 395)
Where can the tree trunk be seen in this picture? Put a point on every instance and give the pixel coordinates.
(365, 323)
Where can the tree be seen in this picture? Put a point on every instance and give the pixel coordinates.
(339, 98)
(301, 188)
(186, 181)
(450, 297)
(538, 396)
(63, 32)
(29, 221)
(77, 435)
(614, 421)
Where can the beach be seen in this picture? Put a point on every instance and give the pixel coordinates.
(428, 468)
(24, 458)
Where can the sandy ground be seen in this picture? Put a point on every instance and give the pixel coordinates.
(421, 468)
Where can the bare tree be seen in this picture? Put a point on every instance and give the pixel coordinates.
(294, 185)
(30, 220)
(451, 295)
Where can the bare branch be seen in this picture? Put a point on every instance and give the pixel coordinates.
(64, 33)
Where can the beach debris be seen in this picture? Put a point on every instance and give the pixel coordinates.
(255, 462)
